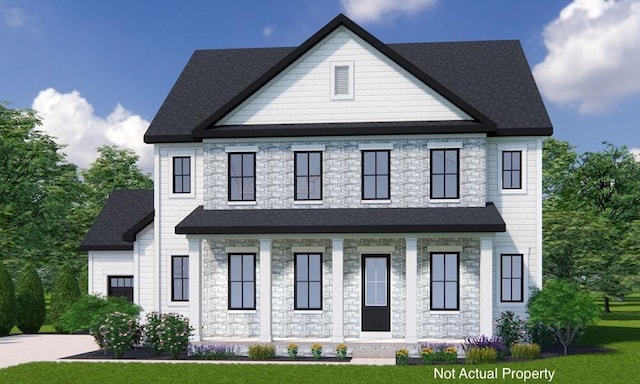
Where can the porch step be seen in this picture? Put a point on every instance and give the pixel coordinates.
(374, 353)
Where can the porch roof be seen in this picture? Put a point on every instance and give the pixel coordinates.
(342, 220)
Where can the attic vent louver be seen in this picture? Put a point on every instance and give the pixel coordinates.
(342, 81)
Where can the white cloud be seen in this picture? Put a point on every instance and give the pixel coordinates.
(382, 11)
(71, 119)
(636, 153)
(267, 31)
(593, 58)
(13, 17)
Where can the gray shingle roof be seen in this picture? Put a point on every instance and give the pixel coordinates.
(342, 220)
(491, 80)
(125, 213)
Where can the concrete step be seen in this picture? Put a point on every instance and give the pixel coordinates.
(374, 353)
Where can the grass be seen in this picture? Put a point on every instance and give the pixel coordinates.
(619, 330)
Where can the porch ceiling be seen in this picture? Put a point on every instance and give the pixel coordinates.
(343, 220)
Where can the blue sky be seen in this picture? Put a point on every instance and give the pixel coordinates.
(97, 71)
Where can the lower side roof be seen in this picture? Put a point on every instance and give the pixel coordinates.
(342, 220)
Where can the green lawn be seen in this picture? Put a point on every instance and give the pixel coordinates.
(619, 330)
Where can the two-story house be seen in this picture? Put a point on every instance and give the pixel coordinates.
(342, 189)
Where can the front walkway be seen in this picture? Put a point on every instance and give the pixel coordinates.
(20, 349)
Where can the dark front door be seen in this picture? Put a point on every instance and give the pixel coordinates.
(376, 314)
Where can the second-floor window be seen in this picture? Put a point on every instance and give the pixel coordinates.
(445, 176)
(242, 176)
(308, 176)
(375, 175)
(182, 174)
(511, 169)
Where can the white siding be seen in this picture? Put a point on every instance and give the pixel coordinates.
(382, 90)
(170, 210)
(145, 275)
(519, 211)
(108, 263)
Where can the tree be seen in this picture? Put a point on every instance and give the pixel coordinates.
(66, 291)
(590, 202)
(30, 305)
(562, 307)
(7, 302)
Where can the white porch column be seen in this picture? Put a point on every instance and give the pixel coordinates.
(337, 267)
(486, 286)
(411, 245)
(195, 288)
(265, 290)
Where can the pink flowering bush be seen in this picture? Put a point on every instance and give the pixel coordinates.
(167, 332)
(118, 332)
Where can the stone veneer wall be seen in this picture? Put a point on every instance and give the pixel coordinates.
(218, 321)
(342, 173)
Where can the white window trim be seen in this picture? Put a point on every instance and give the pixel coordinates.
(241, 148)
(523, 170)
(310, 249)
(375, 147)
(308, 148)
(376, 249)
(191, 154)
(308, 202)
(444, 145)
(350, 94)
(228, 250)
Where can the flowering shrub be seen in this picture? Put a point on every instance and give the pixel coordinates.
(292, 350)
(316, 351)
(341, 351)
(511, 328)
(402, 356)
(261, 351)
(431, 353)
(496, 343)
(118, 332)
(167, 332)
(210, 352)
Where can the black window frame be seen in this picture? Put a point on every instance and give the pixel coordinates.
(179, 174)
(308, 281)
(242, 281)
(120, 289)
(376, 175)
(242, 176)
(510, 277)
(184, 281)
(444, 288)
(511, 170)
(306, 176)
(444, 174)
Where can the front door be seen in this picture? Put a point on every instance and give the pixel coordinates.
(376, 314)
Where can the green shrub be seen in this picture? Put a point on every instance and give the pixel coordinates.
(525, 351)
(86, 313)
(261, 352)
(64, 293)
(481, 355)
(117, 332)
(7, 302)
(510, 328)
(30, 305)
(167, 332)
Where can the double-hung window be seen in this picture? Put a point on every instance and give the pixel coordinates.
(375, 175)
(445, 277)
(512, 170)
(180, 278)
(308, 175)
(242, 176)
(445, 175)
(242, 281)
(182, 174)
(308, 281)
(511, 281)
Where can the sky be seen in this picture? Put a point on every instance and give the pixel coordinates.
(97, 71)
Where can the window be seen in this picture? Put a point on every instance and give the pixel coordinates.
(308, 278)
(242, 281)
(308, 175)
(511, 270)
(242, 176)
(181, 175)
(375, 175)
(511, 170)
(180, 278)
(121, 286)
(444, 281)
(444, 174)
